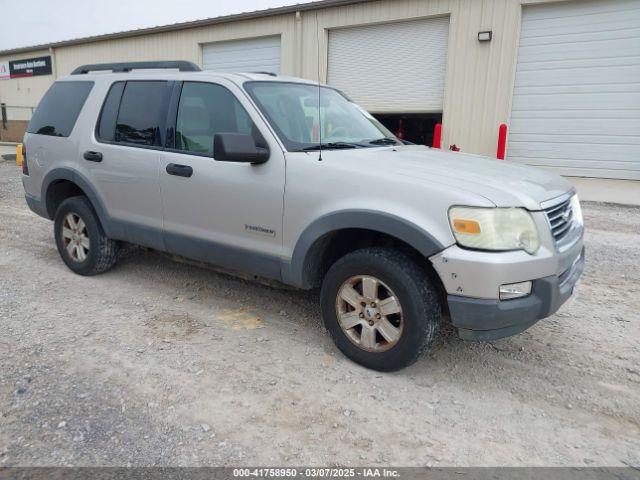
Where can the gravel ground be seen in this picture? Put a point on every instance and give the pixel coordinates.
(164, 363)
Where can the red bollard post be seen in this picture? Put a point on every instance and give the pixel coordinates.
(437, 135)
(400, 131)
(502, 141)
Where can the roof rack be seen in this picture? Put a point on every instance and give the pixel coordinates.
(271, 74)
(181, 65)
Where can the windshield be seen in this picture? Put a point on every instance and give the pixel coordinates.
(292, 110)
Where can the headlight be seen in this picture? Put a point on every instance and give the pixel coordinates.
(577, 210)
(494, 228)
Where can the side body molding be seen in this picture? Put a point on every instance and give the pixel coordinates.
(297, 272)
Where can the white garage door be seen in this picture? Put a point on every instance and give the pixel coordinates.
(397, 67)
(251, 55)
(576, 103)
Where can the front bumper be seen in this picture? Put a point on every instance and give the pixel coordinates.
(488, 319)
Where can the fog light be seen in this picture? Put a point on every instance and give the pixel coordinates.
(515, 290)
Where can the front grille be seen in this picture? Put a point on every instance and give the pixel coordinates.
(560, 217)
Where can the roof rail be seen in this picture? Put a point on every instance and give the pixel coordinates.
(181, 65)
(271, 74)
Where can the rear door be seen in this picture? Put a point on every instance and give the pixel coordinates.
(124, 158)
(228, 214)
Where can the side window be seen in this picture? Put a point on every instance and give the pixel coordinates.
(204, 110)
(107, 123)
(141, 113)
(58, 111)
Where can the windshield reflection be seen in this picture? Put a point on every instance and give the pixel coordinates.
(307, 117)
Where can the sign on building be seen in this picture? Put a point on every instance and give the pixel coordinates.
(28, 67)
(4, 70)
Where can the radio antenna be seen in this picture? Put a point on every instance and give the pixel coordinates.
(319, 88)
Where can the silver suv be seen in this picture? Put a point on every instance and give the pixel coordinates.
(289, 180)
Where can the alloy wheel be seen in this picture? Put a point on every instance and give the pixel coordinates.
(75, 237)
(369, 313)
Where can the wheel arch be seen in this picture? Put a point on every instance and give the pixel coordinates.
(305, 268)
(62, 183)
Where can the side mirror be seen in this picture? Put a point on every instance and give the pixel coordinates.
(238, 147)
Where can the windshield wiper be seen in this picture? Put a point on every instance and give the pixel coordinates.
(384, 141)
(331, 146)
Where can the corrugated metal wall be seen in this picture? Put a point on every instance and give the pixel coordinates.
(182, 44)
(479, 77)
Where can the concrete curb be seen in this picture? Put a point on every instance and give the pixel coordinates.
(609, 204)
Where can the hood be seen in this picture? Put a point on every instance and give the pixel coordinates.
(504, 184)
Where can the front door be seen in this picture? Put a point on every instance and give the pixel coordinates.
(227, 214)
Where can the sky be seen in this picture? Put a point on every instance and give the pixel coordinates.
(31, 22)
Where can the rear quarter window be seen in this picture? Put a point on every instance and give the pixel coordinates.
(58, 110)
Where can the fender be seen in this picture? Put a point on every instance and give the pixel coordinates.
(84, 184)
(294, 272)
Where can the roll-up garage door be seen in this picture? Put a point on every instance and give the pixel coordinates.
(250, 55)
(576, 102)
(391, 68)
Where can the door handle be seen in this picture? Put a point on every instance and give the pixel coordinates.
(179, 170)
(92, 156)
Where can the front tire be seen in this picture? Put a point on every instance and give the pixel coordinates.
(80, 239)
(380, 308)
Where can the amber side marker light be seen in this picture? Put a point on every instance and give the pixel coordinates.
(470, 227)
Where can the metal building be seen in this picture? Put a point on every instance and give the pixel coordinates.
(563, 75)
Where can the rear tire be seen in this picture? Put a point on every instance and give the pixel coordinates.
(80, 239)
(389, 303)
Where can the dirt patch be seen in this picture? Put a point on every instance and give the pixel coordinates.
(158, 362)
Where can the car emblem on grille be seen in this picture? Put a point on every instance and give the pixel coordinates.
(566, 214)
